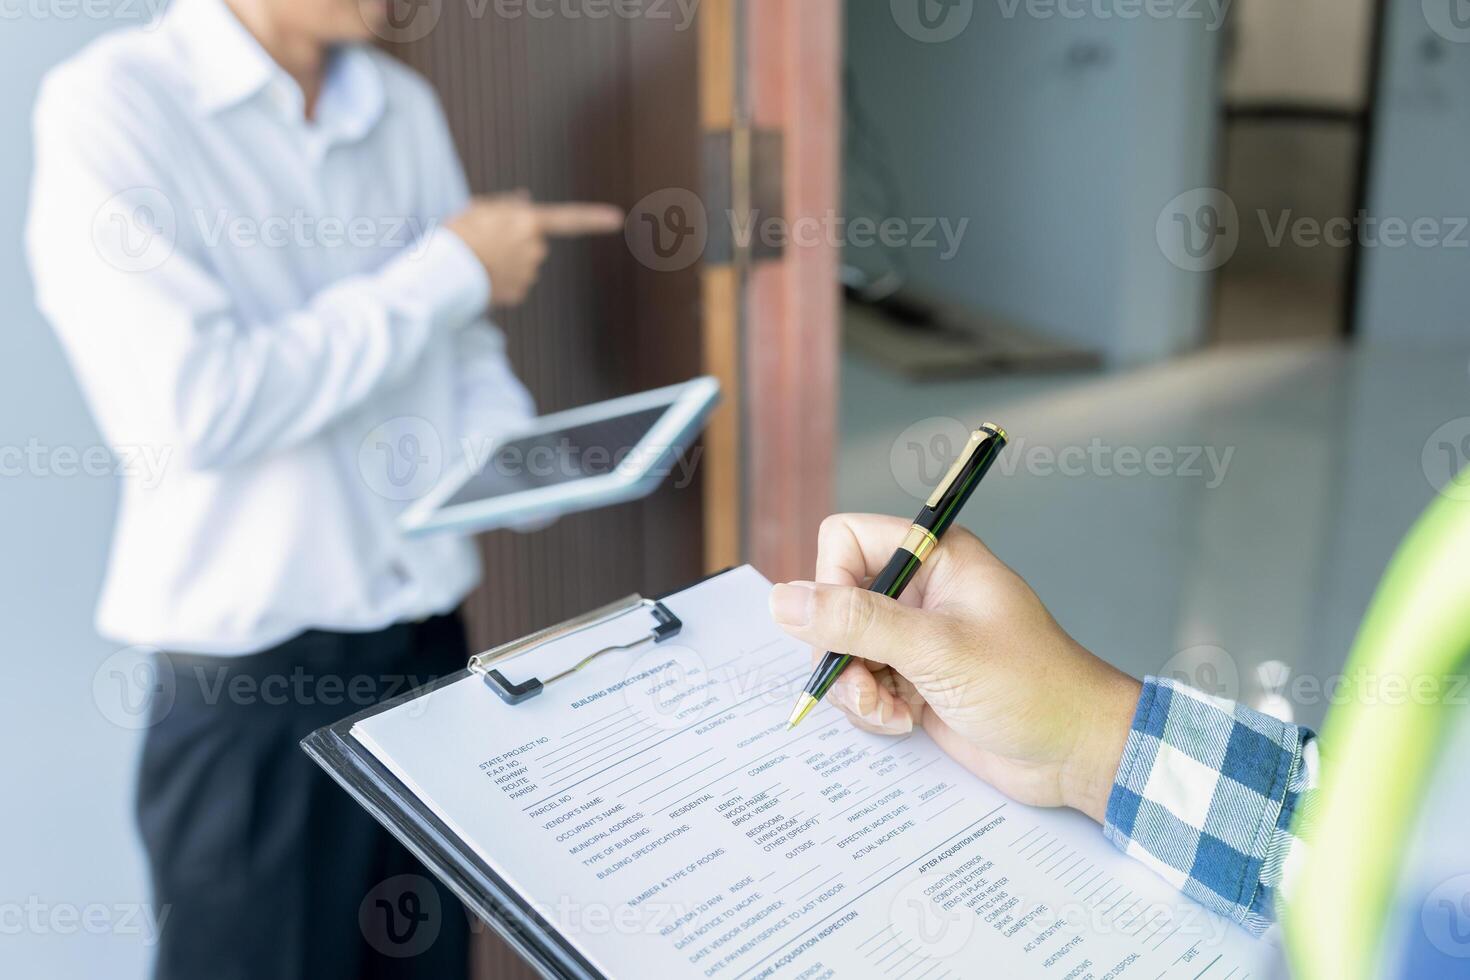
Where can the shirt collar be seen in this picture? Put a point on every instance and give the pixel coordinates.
(228, 67)
(353, 94)
(227, 64)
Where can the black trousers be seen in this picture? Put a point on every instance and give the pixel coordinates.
(262, 867)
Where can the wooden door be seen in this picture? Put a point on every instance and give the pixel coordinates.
(581, 109)
(772, 112)
(657, 114)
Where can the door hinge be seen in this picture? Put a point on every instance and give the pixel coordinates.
(744, 195)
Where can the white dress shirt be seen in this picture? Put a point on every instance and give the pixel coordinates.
(269, 306)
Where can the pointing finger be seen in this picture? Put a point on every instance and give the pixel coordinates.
(571, 220)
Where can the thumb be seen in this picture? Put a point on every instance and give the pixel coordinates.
(854, 621)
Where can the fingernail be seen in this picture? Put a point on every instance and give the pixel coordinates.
(845, 693)
(791, 605)
(886, 720)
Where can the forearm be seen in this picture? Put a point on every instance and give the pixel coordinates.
(1100, 740)
(176, 352)
(246, 390)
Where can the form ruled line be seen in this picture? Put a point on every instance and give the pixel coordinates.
(650, 762)
(566, 751)
(671, 769)
(817, 924)
(649, 748)
(597, 722)
(873, 936)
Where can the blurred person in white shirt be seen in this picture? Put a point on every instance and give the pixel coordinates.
(253, 235)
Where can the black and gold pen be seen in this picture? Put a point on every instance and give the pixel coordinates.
(939, 512)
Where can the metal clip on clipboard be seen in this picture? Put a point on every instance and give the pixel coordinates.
(666, 625)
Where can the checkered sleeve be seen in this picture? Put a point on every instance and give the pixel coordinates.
(1210, 794)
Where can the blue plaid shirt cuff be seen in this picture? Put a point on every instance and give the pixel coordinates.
(1207, 795)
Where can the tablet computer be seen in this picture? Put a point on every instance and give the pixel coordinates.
(580, 459)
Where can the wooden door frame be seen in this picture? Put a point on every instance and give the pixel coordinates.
(771, 93)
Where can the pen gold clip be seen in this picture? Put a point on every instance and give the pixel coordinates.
(987, 431)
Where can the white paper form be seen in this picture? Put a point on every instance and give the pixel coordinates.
(655, 809)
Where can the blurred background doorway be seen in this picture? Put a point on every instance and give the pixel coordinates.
(1297, 104)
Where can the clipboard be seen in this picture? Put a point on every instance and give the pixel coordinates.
(897, 811)
(442, 852)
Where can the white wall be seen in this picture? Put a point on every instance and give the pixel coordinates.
(1413, 294)
(1061, 138)
(68, 849)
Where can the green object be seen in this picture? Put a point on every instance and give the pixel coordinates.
(1379, 749)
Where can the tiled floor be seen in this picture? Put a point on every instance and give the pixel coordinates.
(1269, 487)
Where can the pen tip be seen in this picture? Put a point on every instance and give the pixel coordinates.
(804, 705)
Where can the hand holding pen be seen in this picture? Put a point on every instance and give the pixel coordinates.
(971, 656)
(938, 514)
